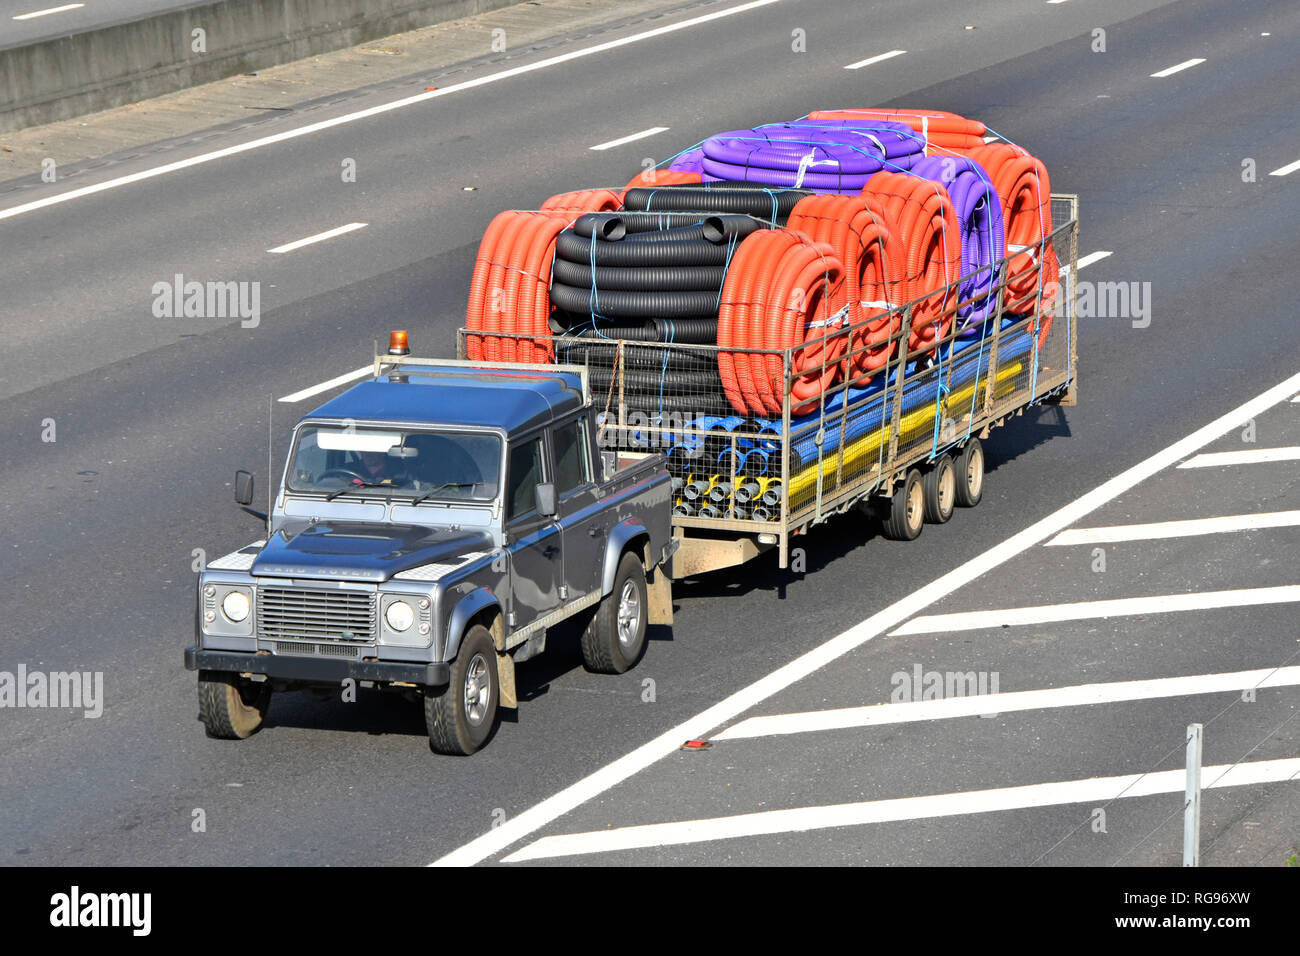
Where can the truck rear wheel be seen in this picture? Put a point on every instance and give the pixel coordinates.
(970, 474)
(232, 707)
(461, 716)
(940, 483)
(614, 638)
(906, 515)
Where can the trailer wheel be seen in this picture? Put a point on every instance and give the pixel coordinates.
(906, 515)
(970, 474)
(232, 707)
(461, 716)
(614, 639)
(940, 481)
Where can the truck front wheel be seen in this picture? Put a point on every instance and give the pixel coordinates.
(614, 639)
(232, 707)
(461, 716)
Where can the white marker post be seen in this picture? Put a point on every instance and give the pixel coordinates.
(1192, 806)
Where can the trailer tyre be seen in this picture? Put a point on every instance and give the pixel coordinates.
(940, 482)
(232, 707)
(614, 638)
(906, 515)
(461, 716)
(970, 474)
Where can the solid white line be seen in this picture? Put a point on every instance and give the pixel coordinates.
(1296, 399)
(804, 819)
(633, 138)
(326, 386)
(1254, 456)
(1092, 257)
(875, 59)
(1178, 67)
(41, 13)
(319, 237)
(1078, 695)
(1286, 170)
(1091, 610)
(376, 110)
(1184, 528)
(593, 785)
(1055, 1)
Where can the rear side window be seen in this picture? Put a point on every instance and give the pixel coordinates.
(526, 472)
(572, 462)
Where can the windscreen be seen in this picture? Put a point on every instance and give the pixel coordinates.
(392, 461)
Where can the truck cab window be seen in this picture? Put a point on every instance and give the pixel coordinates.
(525, 472)
(572, 460)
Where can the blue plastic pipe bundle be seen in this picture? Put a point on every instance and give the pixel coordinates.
(968, 367)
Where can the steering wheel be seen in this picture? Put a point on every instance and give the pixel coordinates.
(347, 473)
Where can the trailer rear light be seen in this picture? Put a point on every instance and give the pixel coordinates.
(397, 344)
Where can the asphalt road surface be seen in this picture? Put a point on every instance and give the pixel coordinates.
(26, 21)
(151, 417)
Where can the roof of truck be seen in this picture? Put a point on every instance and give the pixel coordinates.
(457, 395)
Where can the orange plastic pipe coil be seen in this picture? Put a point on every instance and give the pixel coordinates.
(658, 177)
(510, 287)
(1025, 191)
(585, 200)
(943, 128)
(865, 241)
(777, 295)
(925, 222)
(940, 121)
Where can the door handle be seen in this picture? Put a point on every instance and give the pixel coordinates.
(593, 532)
(550, 551)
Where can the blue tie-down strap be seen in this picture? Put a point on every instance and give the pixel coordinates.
(940, 395)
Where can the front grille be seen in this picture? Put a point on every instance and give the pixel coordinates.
(315, 614)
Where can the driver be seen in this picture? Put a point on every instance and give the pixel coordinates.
(374, 467)
(379, 468)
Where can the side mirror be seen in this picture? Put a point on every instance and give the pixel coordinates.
(545, 497)
(243, 488)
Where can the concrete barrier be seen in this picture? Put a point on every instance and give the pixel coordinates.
(126, 62)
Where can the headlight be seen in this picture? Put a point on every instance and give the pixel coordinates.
(399, 616)
(235, 606)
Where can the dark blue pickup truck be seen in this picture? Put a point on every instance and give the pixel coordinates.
(432, 523)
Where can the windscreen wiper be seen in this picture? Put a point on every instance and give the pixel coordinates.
(356, 483)
(450, 484)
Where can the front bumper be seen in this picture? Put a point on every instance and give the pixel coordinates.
(318, 669)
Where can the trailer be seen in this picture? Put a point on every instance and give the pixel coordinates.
(903, 442)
